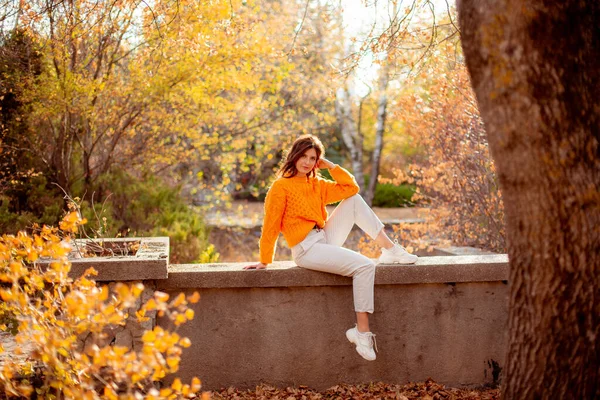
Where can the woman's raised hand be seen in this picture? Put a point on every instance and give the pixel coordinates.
(256, 266)
(325, 163)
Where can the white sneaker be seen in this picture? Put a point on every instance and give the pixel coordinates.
(364, 342)
(397, 255)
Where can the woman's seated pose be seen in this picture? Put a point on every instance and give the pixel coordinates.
(295, 206)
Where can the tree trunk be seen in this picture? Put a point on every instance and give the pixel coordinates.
(353, 139)
(384, 79)
(535, 69)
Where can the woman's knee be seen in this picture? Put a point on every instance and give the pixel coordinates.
(352, 201)
(367, 268)
(356, 197)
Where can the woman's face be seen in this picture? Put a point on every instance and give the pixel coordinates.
(306, 162)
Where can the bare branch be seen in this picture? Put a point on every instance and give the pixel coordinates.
(299, 28)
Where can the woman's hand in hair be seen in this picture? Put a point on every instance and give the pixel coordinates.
(325, 163)
(256, 266)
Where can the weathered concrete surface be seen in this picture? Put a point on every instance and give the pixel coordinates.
(121, 269)
(286, 326)
(286, 274)
(149, 262)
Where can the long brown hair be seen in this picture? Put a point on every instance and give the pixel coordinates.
(301, 146)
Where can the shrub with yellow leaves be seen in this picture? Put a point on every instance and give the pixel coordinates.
(53, 311)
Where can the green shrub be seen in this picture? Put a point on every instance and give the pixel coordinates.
(147, 207)
(121, 205)
(30, 201)
(389, 196)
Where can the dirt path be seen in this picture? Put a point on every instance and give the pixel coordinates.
(250, 214)
(235, 232)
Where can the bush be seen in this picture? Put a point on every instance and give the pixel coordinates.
(389, 195)
(147, 207)
(28, 201)
(54, 311)
(456, 173)
(121, 205)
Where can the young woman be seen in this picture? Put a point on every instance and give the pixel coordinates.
(295, 206)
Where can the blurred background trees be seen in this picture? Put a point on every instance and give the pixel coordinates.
(150, 115)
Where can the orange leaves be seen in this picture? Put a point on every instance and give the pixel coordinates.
(110, 394)
(453, 169)
(71, 222)
(372, 391)
(6, 295)
(55, 314)
(194, 298)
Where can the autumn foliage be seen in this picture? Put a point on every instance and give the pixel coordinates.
(428, 390)
(52, 312)
(452, 166)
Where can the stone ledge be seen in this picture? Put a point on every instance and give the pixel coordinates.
(443, 269)
(122, 269)
(149, 262)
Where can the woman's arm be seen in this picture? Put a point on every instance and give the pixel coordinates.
(274, 208)
(275, 203)
(344, 186)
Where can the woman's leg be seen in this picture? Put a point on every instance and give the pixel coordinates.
(354, 210)
(351, 211)
(340, 261)
(362, 322)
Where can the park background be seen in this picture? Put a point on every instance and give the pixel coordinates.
(170, 120)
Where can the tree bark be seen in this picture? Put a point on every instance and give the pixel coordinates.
(384, 78)
(353, 139)
(535, 69)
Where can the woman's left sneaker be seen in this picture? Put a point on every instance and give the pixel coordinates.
(397, 255)
(364, 342)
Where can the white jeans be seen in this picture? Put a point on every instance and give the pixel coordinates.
(321, 249)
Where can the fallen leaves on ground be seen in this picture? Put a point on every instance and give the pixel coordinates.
(428, 390)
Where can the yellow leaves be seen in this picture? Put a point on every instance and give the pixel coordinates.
(71, 222)
(32, 256)
(25, 390)
(15, 268)
(75, 303)
(161, 297)
(179, 300)
(137, 289)
(150, 305)
(6, 295)
(180, 319)
(173, 363)
(110, 394)
(103, 296)
(149, 337)
(53, 310)
(63, 352)
(141, 315)
(196, 385)
(189, 314)
(177, 385)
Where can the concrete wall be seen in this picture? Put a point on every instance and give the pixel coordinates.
(444, 318)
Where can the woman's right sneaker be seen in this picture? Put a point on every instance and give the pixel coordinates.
(364, 342)
(397, 255)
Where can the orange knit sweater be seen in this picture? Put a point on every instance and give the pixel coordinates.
(295, 205)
